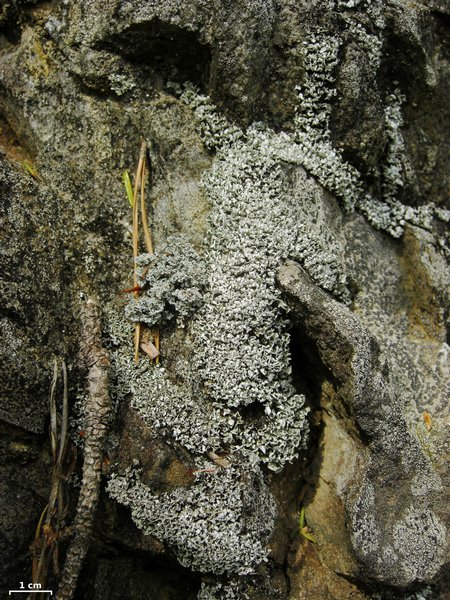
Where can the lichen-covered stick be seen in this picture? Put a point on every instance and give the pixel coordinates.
(96, 359)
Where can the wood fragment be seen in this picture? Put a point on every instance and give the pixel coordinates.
(204, 471)
(219, 460)
(137, 339)
(150, 349)
(97, 411)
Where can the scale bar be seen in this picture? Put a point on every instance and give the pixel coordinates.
(30, 592)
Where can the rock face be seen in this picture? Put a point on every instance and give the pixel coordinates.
(387, 485)
(298, 198)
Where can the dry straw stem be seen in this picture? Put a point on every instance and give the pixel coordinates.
(38, 562)
(137, 182)
(149, 247)
(147, 234)
(50, 523)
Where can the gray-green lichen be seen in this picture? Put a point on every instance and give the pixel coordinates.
(394, 519)
(231, 590)
(220, 524)
(236, 391)
(171, 282)
(421, 558)
(274, 437)
(241, 341)
(311, 146)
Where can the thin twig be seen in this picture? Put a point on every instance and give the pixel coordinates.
(157, 344)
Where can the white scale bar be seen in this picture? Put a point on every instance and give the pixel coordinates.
(31, 591)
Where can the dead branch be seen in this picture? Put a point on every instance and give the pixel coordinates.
(96, 359)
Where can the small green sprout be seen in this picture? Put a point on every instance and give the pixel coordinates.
(304, 529)
(128, 187)
(31, 169)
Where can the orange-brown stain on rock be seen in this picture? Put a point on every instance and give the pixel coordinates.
(424, 311)
(310, 579)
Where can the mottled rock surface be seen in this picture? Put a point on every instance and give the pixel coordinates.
(298, 197)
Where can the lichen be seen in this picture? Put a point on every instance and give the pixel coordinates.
(242, 341)
(240, 356)
(233, 589)
(392, 169)
(236, 392)
(121, 83)
(172, 280)
(275, 437)
(220, 524)
(419, 538)
(365, 534)
(327, 163)
(215, 129)
(310, 145)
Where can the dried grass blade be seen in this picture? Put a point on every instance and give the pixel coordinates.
(64, 421)
(128, 187)
(35, 566)
(53, 420)
(137, 184)
(154, 355)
